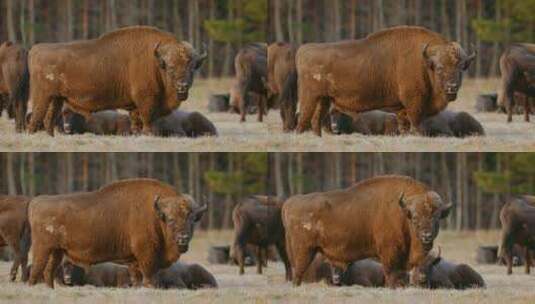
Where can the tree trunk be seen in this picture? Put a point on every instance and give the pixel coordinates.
(299, 17)
(279, 36)
(10, 22)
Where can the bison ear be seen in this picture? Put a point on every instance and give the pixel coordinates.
(403, 205)
(158, 209)
(158, 56)
(445, 210)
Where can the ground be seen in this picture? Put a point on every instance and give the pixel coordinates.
(268, 136)
(271, 287)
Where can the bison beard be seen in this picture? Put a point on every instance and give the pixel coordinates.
(349, 224)
(406, 69)
(154, 228)
(136, 68)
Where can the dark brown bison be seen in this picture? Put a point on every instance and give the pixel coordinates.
(99, 275)
(181, 275)
(366, 272)
(187, 124)
(108, 122)
(257, 221)
(281, 65)
(139, 69)
(251, 64)
(436, 273)
(410, 70)
(517, 65)
(518, 227)
(375, 122)
(454, 124)
(392, 218)
(142, 223)
(14, 78)
(15, 230)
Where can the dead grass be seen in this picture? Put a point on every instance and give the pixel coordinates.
(271, 288)
(268, 136)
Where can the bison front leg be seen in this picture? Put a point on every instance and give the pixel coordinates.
(135, 122)
(148, 270)
(527, 257)
(527, 108)
(259, 259)
(395, 278)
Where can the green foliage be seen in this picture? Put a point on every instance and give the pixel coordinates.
(249, 27)
(244, 180)
(516, 26)
(520, 177)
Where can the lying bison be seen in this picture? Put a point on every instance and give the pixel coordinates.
(142, 223)
(250, 64)
(392, 218)
(108, 122)
(99, 275)
(454, 124)
(281, 65)
(436, 272)
(181, 275)
(410, 70)
(15, 230)
(14, 79)
(375, 122)
(257, 221)
(518, 227)
(139, 69)
(184, 124)
(517, 64)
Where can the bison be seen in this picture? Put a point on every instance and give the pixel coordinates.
(108, 122)
(181, 275)
(281, 65)
(257, 221)
(409, 70)
(187, 124)
(142, 223)
(99, 275)
(250, 64)
(517, 64)
(517, 217)
(449, 123)
(140, 69)
(15, 230)
(14, 77)
(436, 273)
(373, 122)
(392, 218)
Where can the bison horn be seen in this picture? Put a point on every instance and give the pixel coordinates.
(203, 54)
(424, 51)
(473, 54)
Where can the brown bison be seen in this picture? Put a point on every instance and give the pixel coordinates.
(410, 70)
(257, 221)
(375, 122)
(15, 230)
(251, 64)
(281, 65)
(187, 124)
(517, 66)
(142, 223)
(108, 122)
(181, 275)
(14, 78)
(366, 272)
(139, 69)
(392, 218)
(449, 123)
(518, 227)
(436, 273)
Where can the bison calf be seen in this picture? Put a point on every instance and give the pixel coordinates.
(449, 123)
(374, 122)
(186, 124)
(181, 275)
(392, 218)
(257, 221)
(437, 273)
(108, 122)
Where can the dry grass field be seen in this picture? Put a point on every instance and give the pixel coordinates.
(271, 287)
(268, 136)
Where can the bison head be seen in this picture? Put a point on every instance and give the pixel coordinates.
(178, 215)
(178, 63)
(424, 212)
(446, 63)
(421, 275)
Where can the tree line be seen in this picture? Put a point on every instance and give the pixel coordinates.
(223, 25)
(485, 25)
(477, 183)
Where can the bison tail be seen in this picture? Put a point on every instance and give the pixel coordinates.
(20, 98)
(289, 89)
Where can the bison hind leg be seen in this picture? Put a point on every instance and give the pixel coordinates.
(302, 259)
(53, 263)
